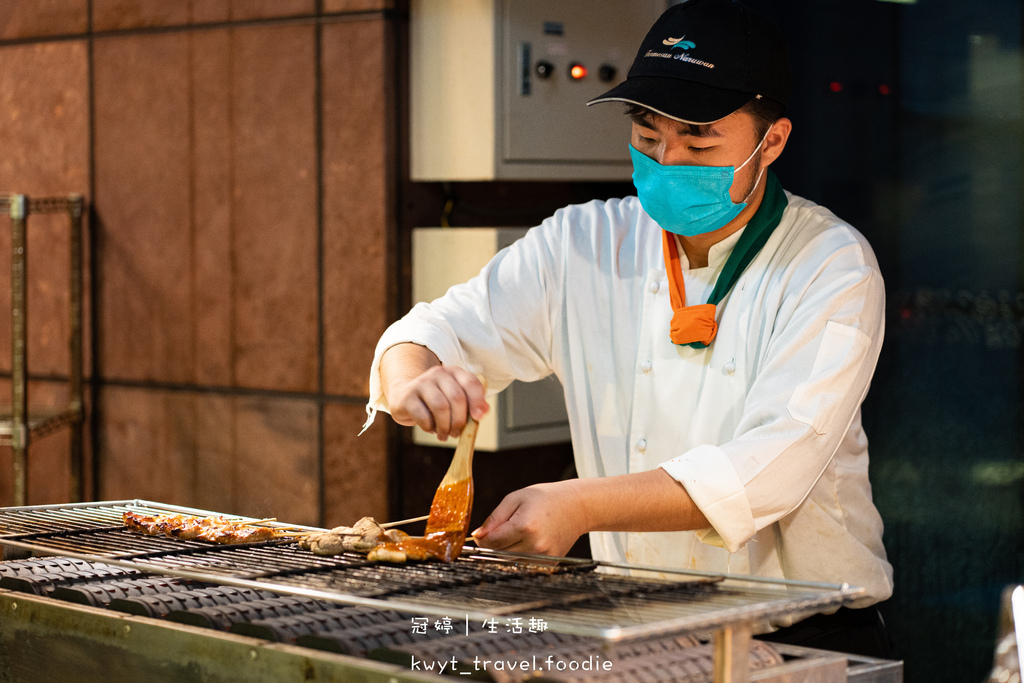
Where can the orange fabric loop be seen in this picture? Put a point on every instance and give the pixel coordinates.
(689, 323)
(677, 291)
(693, 324)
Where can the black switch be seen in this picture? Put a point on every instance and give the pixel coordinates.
(606, 72)
(545, 69)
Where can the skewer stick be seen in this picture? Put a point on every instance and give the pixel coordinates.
(385, 525)
(401, 522)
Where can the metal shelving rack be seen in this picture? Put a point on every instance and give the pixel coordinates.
(20, 423)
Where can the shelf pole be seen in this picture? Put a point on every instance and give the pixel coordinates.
(19, 348)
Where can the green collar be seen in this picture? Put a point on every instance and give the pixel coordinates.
(755, 235)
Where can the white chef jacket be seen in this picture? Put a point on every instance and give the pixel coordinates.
(762, 428)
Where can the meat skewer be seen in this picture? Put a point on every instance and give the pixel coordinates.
(213, 529)
(363, 537)
(447, 523)
(349, 531)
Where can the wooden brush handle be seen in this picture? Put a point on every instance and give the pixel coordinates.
(462, 462)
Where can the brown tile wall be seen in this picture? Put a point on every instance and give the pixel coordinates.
(247, 455)
(124, 15)
(142, 154)
(356, 177)
(208, 202)
(35, 18)
(353, 468)
(241, 174)
(356, 5)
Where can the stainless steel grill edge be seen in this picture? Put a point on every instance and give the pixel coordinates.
(598, 602)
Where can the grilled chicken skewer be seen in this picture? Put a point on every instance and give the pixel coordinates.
(214, 529)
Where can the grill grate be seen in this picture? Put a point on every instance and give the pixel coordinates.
(47, 519)
(568, 591)
(571, 596)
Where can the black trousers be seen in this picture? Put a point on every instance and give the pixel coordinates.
(854, 631)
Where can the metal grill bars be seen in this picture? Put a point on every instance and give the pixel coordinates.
(604, 600)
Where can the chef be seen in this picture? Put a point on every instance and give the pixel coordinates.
(715, 337)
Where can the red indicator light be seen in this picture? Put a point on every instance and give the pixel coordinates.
(835, 86)
(884, 89)
(578, 71)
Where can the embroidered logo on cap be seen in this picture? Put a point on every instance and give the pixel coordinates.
(680, 43)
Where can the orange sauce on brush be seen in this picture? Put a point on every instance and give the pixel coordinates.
(447, 525)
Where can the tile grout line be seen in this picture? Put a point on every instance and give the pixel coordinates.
(318, 117)
(193, 233)
(93, 231)
(225, 390)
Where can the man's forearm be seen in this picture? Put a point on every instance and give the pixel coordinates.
(549, 518)
(404, 362)
(642, 501)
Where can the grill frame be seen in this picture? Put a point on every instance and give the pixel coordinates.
(737, 600)
(45, 639)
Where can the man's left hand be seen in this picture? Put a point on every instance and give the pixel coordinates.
(544, 518)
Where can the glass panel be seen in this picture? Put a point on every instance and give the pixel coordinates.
(907, 123)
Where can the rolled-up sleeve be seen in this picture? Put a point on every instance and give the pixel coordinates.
(709, 477)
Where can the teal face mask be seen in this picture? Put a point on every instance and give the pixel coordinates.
(687, 200)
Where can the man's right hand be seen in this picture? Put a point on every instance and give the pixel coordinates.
(420, 391)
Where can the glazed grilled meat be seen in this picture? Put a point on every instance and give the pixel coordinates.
(212, 529)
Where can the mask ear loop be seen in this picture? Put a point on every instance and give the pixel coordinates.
(754, 188)
(758, 181)
(763, 138)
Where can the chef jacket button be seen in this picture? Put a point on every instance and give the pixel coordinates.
(729, 368)
(641, 445)
(655, 286)
(645, 367)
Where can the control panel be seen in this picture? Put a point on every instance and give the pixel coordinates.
(499, 87)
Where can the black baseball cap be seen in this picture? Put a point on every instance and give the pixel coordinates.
(704, 59)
